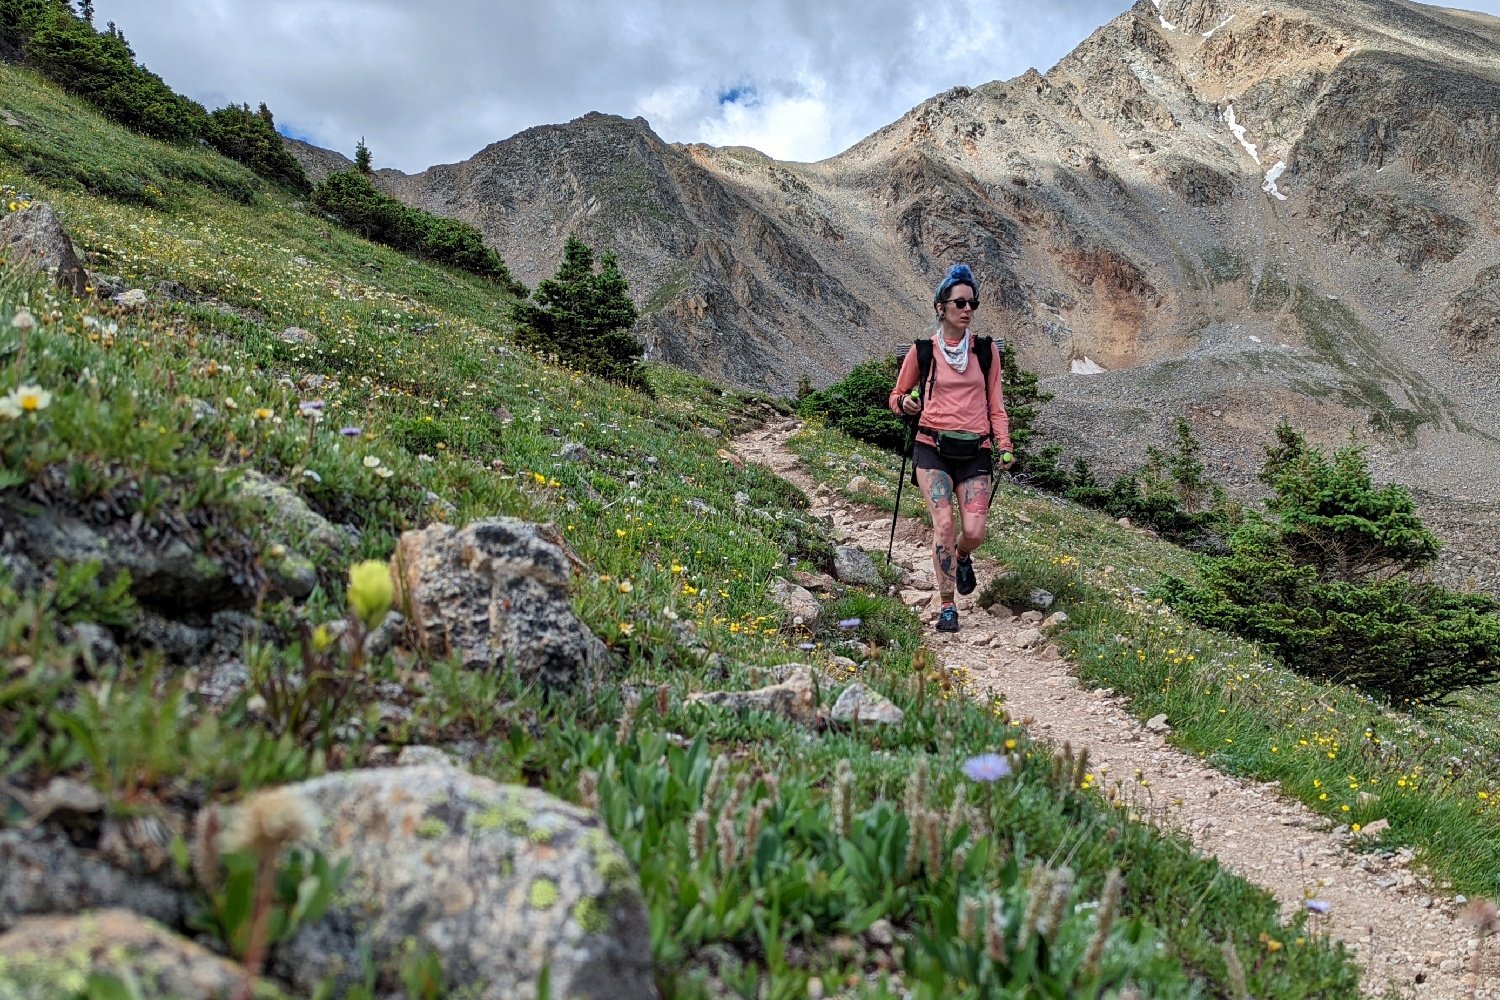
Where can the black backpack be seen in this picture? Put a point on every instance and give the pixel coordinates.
(927, 380)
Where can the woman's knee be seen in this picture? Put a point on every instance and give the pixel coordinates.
(973, 537)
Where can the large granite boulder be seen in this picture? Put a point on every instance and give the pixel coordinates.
(499, 881)
(853, 565)
(32, 238)
(44, 958)
(495, 593)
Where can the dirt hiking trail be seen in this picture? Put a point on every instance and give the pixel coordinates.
(1406, 934)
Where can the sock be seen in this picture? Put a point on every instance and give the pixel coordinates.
(947, 596)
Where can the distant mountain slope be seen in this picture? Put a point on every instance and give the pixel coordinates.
(1243, 210)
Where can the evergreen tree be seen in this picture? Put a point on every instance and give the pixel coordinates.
(362, 156)
(251, 137)
(86, 11)
(1326, 583)
(583, 318)
(1186, 467)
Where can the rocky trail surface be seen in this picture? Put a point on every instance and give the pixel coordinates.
(1405, 933)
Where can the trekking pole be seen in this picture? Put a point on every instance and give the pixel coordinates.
(995, 486)
(896, 512)
(911, 437)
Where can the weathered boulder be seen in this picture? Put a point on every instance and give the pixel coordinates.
(852, 565)
(33, 238)
(42, 872)
(859, 703)
(42, 958)
(795, 698)
(495, 593)
(798, 602)
(499, 881)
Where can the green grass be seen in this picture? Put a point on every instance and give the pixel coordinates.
(155, 414)
(1432, 771)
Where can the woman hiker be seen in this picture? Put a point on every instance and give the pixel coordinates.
(961, 426)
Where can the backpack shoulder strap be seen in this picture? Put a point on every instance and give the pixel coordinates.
(923, 347)
(983, 347)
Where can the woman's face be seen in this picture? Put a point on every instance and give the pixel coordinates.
(951, 315)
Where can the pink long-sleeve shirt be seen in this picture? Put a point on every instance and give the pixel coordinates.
(954, 402)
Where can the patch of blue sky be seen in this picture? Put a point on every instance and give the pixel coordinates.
(743, 94)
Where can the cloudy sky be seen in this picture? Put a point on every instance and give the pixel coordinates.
(434, 81)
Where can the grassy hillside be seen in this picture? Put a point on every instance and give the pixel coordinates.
(427, 411)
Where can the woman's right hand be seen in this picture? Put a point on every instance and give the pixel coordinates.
(909, 406)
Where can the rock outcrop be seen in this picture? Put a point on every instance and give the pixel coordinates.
(33, 238)
(498, 882)
(495, 594)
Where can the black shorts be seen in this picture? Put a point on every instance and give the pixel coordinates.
(926, 457)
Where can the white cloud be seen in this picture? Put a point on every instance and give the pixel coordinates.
(433, 82)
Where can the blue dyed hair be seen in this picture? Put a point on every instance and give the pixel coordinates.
(958, 274)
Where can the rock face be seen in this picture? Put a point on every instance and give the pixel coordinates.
(33, 238)
(47, 957)
(495, 593)
(1241, 211)
(42, 872)
(499, 881)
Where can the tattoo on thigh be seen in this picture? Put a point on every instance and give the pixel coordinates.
(939, 487)
(975, 493)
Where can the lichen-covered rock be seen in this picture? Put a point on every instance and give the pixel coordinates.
(852, 565)
(495, 593)
(795, 698)
(858, 703)
(498, 881)
(34, 239)
(43, 958)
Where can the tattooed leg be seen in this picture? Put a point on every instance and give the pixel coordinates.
(974, 499)
(937, 489)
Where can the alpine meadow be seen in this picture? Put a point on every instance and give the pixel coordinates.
(409, 595)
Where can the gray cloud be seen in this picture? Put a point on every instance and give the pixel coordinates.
(429, 83)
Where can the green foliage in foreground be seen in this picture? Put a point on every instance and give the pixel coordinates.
(581, 318)
(1326, 584)
(351, 198)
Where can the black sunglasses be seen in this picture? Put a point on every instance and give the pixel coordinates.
(963, 303)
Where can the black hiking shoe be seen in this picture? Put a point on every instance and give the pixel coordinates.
(965, 575)
(948, 619)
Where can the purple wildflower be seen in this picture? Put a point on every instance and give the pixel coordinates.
(986, 767)
(805, 646)
(1320, 906)
(310, 406)
(350, 432)
(850, 623)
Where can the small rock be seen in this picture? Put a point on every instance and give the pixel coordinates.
(881, 933)
(574, 452)
(134, 298)
(797, 602)
(1158, 724)
(1056, 618)
(423, 756)
(858, 702)
(793, 698)
(1028, 638)
(1031, 617)
(297, 335)
(1040, 599)
(1375, 828)
(854, 566)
